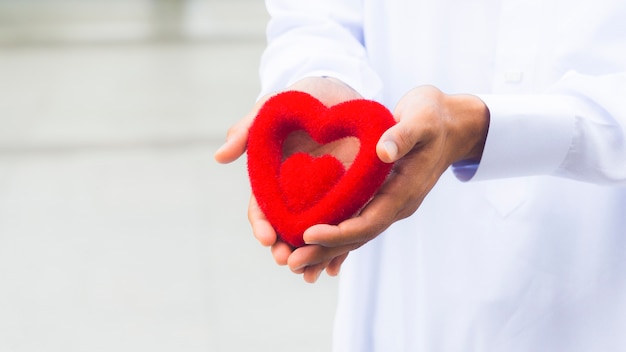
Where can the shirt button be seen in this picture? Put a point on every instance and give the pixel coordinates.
(513, 77)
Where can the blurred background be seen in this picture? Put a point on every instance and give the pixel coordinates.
(118, 231)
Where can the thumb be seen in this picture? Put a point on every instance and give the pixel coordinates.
(419, 118)
(396, 142)
(237, 136)
(235, 144)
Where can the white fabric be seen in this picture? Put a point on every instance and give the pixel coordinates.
(529, 135)
(532, 258)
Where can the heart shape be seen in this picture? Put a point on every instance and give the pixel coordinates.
(302, 190)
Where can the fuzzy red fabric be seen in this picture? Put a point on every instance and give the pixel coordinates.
(303, 190)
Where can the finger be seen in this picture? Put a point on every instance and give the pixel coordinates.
(281, 252)
(237, 136)
(313, 255)
(261, 227)
(313, 272)
(374, 219)
(333, 268)
(235, 145)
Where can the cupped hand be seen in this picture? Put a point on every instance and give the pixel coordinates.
(434, 130)
(330, 92)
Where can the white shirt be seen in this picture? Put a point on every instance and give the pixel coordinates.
(533, 258)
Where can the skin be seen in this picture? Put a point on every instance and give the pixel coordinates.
(434, 130)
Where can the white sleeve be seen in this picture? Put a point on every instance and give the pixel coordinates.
(578, 131)
(316, 38)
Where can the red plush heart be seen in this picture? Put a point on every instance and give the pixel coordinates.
(302, 190)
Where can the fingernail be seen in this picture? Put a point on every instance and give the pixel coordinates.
(308, 240)
(391, 148)
(299, 268)
(306, 236)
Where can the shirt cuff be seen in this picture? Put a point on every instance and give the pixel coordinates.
(528, 135)
(465, 170)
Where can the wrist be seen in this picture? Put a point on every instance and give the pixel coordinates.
(469, 117)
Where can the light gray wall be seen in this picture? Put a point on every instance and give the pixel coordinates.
(118, 231)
